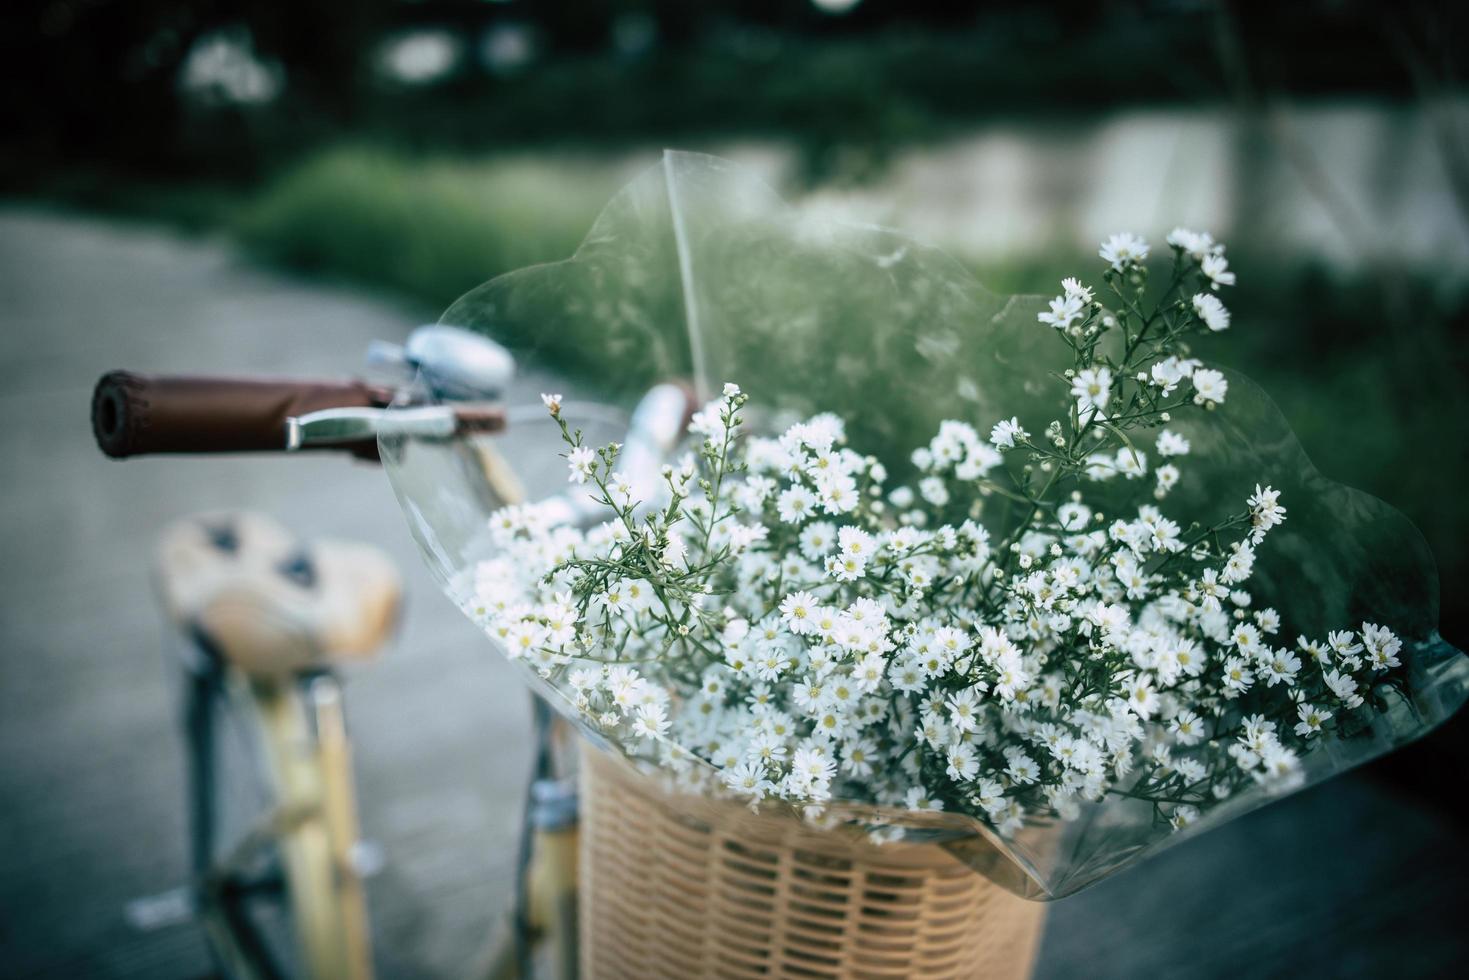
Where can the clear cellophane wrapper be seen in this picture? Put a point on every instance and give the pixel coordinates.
(698, 269)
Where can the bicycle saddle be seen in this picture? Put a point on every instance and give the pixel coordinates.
(269, 603)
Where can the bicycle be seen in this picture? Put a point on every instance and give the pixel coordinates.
(266, 621)
(453, 399)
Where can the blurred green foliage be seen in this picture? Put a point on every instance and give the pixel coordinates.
(1368, 366)
(430, 228)
(848, 89)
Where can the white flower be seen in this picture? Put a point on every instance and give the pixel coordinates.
(795, 504)
(1073, 516)
(748, 778)
(1257, 732)
(1209, 387)
(708, 421)
(826, 622)
(963, 710)
(1344, 687)
(845, 568)
(625, 686)
(582, 462)
(1190, 659)
(1096, 644)
(639, 594)
(918, 798)
(812, 770)
(838, 492)
(1091, 388)
(1074, 289)
(869, 672)
(905, 538)
(905, 675)
(742, 537)
(552, 403)
(1246, 638)
(1216, 268)
(1211, 311)
(1280, 667)
(1188, 728)
(1021, 768)
(522, 639)
(1192, 770)
(1123, 250)
(674, 551)
(1381, 645)
(1172, 444)
(1314, 650)
(1279, 762)
(1238, 566)
(1312, 718)
(989, 795)
(855, 542)
(713, 685)
(1131, 463)
(934, 491)
(1344, 643)
(858, 756)
(1004, 434)
(1265, 511)
(1141, 698)
(963, 762)
(1168, 373)
(799, 612)
(1237, 676)
(1064, 311)
(1209, 590)
(818, 539)
(650, 721)
(981, 459)
(615, 599)
(1196, 243)
(620, 490)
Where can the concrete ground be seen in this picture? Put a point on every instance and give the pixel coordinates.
(1344, 880)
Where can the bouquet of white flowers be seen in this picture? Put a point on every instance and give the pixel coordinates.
(942, 563)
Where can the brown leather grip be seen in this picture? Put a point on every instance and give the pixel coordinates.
(138, 414)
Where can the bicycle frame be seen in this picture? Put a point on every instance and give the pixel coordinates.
(312, 821)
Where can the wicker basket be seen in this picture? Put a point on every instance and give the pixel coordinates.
(682, 888)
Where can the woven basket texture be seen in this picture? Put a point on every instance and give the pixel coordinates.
(677, 887)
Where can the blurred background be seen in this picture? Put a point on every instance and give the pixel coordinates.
(257, 187)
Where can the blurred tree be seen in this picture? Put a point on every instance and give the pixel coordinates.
(102, 76)
(98, 80)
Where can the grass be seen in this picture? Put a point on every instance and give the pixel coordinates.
(431, 229)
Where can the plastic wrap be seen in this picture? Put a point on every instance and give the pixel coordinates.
(699, 270)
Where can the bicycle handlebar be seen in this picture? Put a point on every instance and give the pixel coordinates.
(138, 414)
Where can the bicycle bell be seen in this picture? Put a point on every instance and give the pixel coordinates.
(454, 363)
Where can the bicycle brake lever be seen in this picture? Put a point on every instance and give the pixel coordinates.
(344, 426)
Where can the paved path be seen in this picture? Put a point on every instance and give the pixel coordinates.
(1338, 881)
(91, 777)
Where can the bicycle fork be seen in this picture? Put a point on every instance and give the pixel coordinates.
(317, 822)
